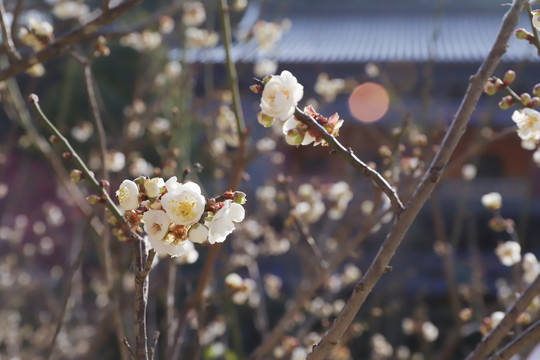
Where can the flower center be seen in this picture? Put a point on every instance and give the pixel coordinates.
(184, 208)
(156, 227)
(123, 194)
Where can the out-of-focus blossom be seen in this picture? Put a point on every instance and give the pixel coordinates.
(430, 333)
(509, 252)
(380, 346)
(173, 69)
(70, 9)
(468, 172)
(191, 254)
(159, 126)
(194, 13)
(200, 38)
(115, 160)
(311, 208)
(140, 166)
(36, 70)
(82, 131)
(166, 25)
(265, 67)
(239, 5)
(146, 41)
(267, 34)
(328, 88)
(531, 267)
(340, 195)
(492, 201)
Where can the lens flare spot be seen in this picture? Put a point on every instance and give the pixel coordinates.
(369, 102)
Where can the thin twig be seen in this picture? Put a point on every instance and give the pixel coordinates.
(154, 344)
(527, 338)
(79, 163)
(67, 293)
(81, 33)
(12, 52)
(423, 191)
(130, 350)
(348, 155)
(536, 39)
(143, 263)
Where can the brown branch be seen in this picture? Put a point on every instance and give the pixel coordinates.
(527, 338)
(494, 337)
(348, 155)
(143, 263)
(423, 191)
(57, 47)
(6, 35)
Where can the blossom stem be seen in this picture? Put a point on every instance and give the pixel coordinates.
(536, 39)
(6, 35)
(431, 178)
(79, 163)
(348, 155)
(513, 94)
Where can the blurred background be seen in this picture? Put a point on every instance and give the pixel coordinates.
(394, 71)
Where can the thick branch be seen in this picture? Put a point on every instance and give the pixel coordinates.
(527, 338)
(492, 339)
(428, 183)
(76, 35)
(348, 155)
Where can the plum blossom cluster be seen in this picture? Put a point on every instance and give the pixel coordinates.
(280, 96)
(176, 214)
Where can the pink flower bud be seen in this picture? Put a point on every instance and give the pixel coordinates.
(490, 88)
(509, 77)
(506, 102)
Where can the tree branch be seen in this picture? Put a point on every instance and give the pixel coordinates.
(528, 337)
(348, 155)
(423, 191)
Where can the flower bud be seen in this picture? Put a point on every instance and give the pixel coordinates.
(535, 102)
(536, 90)
(53, 139)
(509, 77)
(76, 176)
(490, 88)
(385, 151)
(105, 184)
(239, 197)
(295, 136)
(522, 34)
(93, 199)
(256, 89)
(265, 120)
(506, 102)
(67, 156)
(525, 99)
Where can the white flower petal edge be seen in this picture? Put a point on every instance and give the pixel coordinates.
(222, 223)
(128, 195)
(528, 123)
(156, 224)
(162, 247)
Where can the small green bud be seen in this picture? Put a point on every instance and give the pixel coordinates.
(93, 199)
(385, 151)
(490, 88)
(509, 77)
(239, 197)
(265, 120)
(76, 176)
(295, 136)
(522, 34)
(506, 102)
(525, 99)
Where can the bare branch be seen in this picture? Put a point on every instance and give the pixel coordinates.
(527, 338)
(6, 35)
(348, 155)
(78, 34)
(424, 190)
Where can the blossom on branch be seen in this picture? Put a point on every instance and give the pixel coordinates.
(184, 204)
(280, 96)
(509, 253)
(128, 195)
(222, 223)
(536, 19)
(528, 123)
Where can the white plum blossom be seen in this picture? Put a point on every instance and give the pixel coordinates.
(200, 38)
(156, 224)
(328, 88)
(296, 132)
(492, 201)
(468, 172)
(153, 187)
(496, 318)
(184, 204)
(222, 224)
(164, 247)
(536, 19)
(528, 123)
(340, 194)
(280, 96)
(70, 9)
(128, 195)
(198, 233)
(267, 34)
(509, 253)
(531, 267)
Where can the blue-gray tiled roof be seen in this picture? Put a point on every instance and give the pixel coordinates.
(356, 37)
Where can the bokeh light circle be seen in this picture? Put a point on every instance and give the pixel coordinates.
(369, 102)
